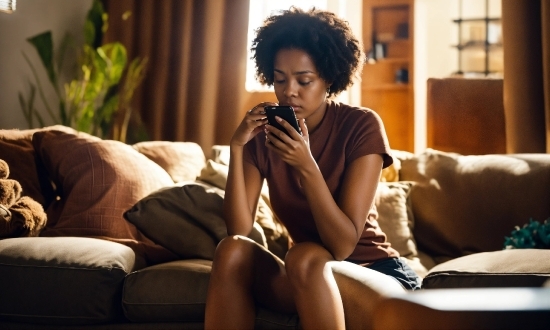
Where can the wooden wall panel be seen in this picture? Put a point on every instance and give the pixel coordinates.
(466, 116)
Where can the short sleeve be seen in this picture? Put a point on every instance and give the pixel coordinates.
(369, 137)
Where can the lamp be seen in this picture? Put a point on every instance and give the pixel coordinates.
(7, 6)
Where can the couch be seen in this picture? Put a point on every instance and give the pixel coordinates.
(132, 230)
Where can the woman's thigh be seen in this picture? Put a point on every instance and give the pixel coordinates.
(270, 287)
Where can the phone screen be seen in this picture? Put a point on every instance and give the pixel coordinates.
(286, 113)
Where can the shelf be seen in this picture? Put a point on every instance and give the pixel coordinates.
(484, 19)
(386, 87)
(477, 45)
(391, 60)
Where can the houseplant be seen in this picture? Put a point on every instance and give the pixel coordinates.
(97, 98)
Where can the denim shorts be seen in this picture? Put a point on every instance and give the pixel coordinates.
(398, 269)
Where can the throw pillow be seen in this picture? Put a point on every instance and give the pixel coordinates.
(97, 181)
(396, 220)
(25, 167)
(395, 216)
(215, 173)
(182, 160)
(186, 218)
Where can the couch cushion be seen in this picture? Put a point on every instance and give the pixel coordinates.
(176, 292)
(97, 181)
(468, 204)
(63, 280)
(186, 218)
(182, 160)
(170, 292)
(506, 268)
(25, 167)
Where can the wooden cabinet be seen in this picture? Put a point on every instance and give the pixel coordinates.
(387, 80)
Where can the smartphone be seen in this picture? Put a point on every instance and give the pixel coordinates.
(286, 113)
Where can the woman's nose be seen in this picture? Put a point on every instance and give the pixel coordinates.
(290, 89)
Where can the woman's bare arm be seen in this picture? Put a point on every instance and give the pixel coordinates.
(341, 222)
(242, 191)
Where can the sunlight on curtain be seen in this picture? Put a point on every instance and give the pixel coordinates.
(350, 10)
(7, 6)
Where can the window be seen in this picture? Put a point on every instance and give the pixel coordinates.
(350, 10)
(7, 6)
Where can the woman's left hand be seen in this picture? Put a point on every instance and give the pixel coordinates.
(293, 147)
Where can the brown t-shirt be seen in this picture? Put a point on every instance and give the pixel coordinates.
(345, 134)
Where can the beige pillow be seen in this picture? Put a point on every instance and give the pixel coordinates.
(396, 220)
(395, 217)
(182, 160)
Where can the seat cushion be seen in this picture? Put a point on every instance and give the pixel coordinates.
(63, 280)
(169, 292)
(506, 268)
(176, 292)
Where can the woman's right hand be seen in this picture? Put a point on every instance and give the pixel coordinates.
(252, 124)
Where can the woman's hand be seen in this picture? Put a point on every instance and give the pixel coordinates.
(293, 148)
(252, 123)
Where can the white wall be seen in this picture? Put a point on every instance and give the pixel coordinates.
(434, 56)
(31, 18)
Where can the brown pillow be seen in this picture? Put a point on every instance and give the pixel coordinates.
(182, 160)
(97, 181)
(185, 218)
(25, 167)
(468, 204)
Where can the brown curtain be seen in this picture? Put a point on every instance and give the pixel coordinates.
(526, 42)
(196, 50)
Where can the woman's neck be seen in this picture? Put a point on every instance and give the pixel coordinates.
(315, 119)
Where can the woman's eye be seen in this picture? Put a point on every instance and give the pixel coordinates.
(279, 81)
(303, 83)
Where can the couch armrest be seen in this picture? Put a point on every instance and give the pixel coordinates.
(487, 308)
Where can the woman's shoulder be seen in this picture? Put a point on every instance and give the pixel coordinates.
(356, 114)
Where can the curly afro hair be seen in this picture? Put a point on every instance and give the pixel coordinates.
(326, 38)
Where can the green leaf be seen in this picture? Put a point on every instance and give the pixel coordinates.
(94, 26)
(44, 46)
(115, 56)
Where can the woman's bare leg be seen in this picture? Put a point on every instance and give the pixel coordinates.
(316, 294)
(243, 274)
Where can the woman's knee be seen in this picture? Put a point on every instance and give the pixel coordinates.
(234, 252)
(305, 261)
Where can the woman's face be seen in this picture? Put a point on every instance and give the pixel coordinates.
(297, 83)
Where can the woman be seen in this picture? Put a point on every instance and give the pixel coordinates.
(321, 183)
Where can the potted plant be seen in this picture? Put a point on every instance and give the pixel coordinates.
(97, 100)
